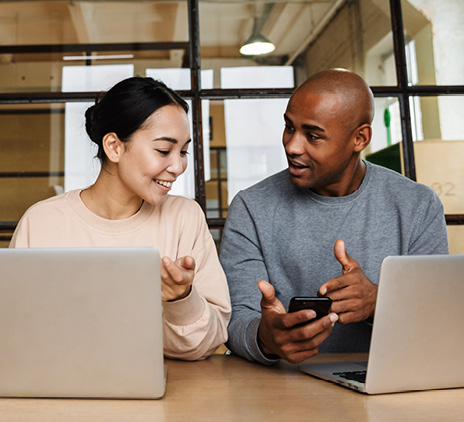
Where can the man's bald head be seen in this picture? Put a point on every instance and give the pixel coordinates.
(356, 98)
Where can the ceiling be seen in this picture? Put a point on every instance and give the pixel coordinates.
(224, 25)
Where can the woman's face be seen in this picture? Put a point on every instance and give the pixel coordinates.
(156, 154)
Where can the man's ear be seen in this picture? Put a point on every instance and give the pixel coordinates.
(113, 147)
(362, 137)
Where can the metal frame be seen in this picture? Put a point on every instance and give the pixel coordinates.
(402, 91)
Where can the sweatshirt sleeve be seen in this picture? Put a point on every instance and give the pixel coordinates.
(194, 327)
(243, 263)
(20, 238)
(429, 230)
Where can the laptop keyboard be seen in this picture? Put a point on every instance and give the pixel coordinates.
(359, 376)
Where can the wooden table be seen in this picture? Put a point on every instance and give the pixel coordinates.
(228, 388)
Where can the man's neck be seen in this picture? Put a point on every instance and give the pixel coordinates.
(350, 184)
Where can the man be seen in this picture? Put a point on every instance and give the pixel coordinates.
(321, 227)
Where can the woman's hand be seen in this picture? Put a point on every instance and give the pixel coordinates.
(176, 278)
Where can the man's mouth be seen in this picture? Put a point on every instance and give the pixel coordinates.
(297, 164)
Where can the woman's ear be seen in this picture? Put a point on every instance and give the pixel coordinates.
(363, 137)
(113, 147)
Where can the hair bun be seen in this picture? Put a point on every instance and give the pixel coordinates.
(89, 123)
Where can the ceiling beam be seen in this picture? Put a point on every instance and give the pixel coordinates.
(81, 17)
(180, 33)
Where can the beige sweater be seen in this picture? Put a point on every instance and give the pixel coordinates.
(194, 326)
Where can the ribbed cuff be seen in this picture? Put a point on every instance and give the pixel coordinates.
(184, 311)
(252, 335)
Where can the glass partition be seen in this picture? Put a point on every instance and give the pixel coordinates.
(32, 158)
(307, 35)
(409, 51)
(40, 38)
(434, 41)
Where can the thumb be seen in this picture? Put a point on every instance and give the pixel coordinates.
(268, 292)
(269, 300)
(348, 263)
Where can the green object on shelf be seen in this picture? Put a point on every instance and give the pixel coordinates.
(387, 121)
(389, 157)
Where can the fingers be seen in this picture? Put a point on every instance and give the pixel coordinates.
(177, 277)
(176, 270)
(348, 264)
(297, 318)
(333, 285)
(171, 271)
(279, 332)
(354, 303)
(313, 329)
(306, 340)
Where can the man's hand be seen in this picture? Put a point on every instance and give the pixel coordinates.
(176, 278)
(278, 335)
(354, 295)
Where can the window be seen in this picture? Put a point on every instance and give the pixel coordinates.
(409, 51)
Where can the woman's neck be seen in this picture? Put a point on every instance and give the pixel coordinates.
(109, 199)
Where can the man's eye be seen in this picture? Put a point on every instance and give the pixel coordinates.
(289, 128)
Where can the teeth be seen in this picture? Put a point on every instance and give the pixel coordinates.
(163, 183)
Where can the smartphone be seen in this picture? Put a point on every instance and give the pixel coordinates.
(319, 304)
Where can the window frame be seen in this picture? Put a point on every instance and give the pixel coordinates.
(402, 91)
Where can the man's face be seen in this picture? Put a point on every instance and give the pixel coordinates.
(318, 142)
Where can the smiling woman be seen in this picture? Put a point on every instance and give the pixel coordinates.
(142, 132)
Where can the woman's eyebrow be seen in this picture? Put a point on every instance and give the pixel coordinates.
(166, 138)
(169, 139)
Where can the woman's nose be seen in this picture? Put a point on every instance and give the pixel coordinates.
(177, 165)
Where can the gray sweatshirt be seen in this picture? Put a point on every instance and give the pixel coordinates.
(285, 235)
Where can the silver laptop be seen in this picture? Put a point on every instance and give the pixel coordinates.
(417, 339)
(82, 323)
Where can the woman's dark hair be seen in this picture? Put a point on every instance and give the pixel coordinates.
(125, 108)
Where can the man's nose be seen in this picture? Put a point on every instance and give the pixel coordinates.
(295, 145)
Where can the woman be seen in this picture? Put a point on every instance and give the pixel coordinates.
(142, 132)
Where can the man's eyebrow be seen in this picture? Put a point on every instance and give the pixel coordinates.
(305, 126)
(312, 127)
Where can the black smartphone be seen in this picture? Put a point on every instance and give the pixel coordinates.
(319, 304)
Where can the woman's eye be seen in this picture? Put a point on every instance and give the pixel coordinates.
(184, 153)
(162, 152)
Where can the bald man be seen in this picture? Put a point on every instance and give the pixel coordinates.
(322, 227)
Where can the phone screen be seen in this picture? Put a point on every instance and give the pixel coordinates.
(321, 305)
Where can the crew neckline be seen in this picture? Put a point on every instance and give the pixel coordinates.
(332, 200)
(106, 225)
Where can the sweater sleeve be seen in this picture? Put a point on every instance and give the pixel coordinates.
(20, 238)
(243, 263)
(429, 230)
(194, 327)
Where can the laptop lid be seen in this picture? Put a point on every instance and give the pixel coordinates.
(417, 339)
(81, 323)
